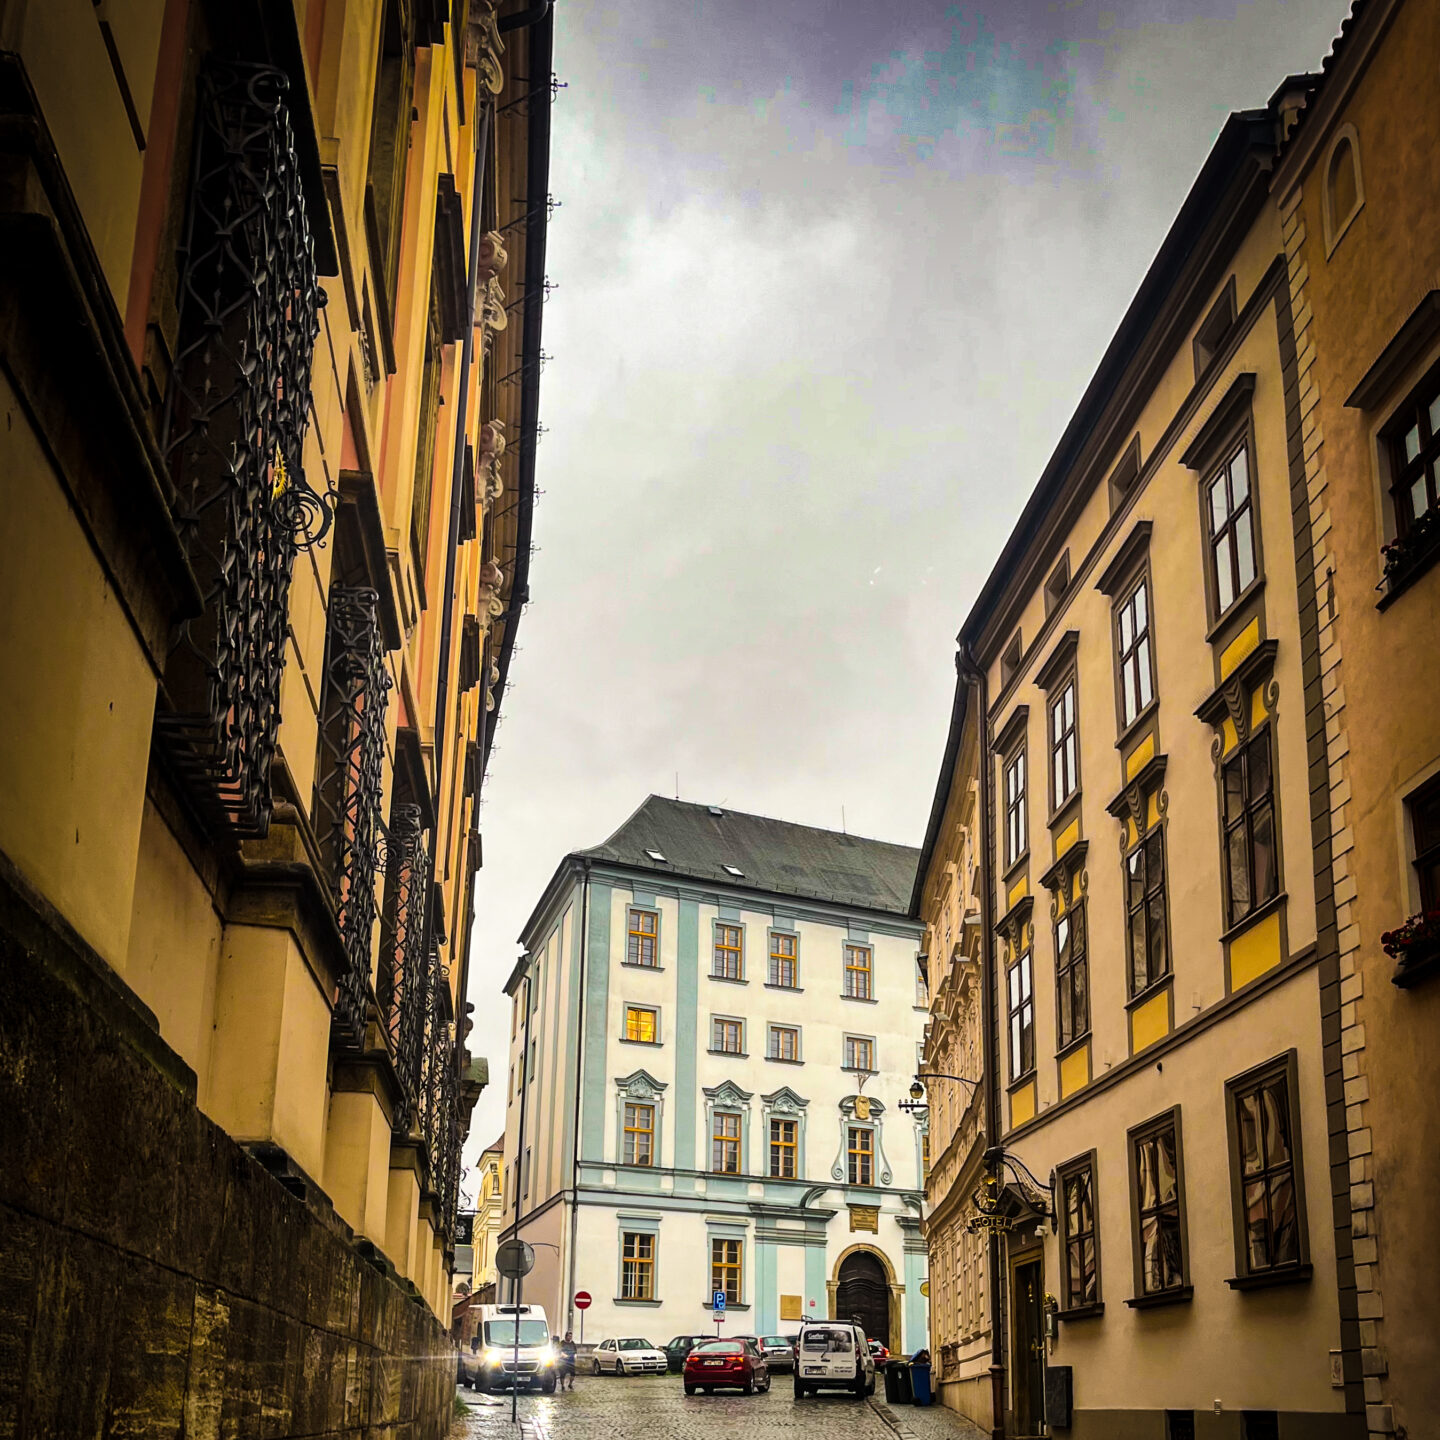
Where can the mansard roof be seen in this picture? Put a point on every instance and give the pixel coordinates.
(754, 852)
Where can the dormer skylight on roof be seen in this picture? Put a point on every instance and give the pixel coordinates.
(658, 856)
(734, 870)
(716, 810)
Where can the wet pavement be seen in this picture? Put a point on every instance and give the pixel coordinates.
(657, 1408)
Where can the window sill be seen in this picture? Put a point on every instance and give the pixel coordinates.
(858, 1070)
(1067, 1050)
(781, 1060)
(1233, 611)
(650, 1044)
(793, 989)
(1091, 1311)
(1149, 992)
(1130, 731)
(1015, 867)
(861, 999)
(729, 979)
(1419, 963)
(653, 1304)
(733, 1305)
(1411, 569)
(1253, 918)
(1024, 1078)
(1269, 1279)
(733, 1054)
(1181, 1295)
(636, 965)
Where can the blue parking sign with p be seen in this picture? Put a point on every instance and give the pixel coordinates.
(719, 1302)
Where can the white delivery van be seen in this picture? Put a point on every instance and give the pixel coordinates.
(512, 1347)
(833, 1355)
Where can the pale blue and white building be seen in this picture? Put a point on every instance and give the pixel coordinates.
(714, 1022)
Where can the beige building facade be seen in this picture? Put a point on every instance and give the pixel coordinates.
(1358, 210)
(1161, 963)
(265, 551)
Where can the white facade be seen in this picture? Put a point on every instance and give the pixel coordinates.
(590, 1010)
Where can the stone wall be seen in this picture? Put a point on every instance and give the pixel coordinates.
(155, 1278)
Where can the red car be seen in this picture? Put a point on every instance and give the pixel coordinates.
(879, 1354)
(732, 1363)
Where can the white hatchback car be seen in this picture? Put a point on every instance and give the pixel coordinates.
(631, 1356)
(833, 1355)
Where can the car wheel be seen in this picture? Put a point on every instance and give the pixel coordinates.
(799, 1391)
(548, 1385)
(767, 1383)
(748, 1388)
(689, 1389)
(620, 1367)
(595, 1367)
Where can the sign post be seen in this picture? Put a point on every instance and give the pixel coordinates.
(718, 1305)
(514, 1259)
(582, 1304)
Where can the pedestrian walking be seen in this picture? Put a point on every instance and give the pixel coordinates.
(567, 1362)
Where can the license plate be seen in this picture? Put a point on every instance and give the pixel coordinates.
(814, 1369)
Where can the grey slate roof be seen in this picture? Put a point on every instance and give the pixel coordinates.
(698, 841)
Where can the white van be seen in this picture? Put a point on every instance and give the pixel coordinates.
(833, 1355)
(511, 1347)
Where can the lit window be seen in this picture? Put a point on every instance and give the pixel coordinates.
(641, 1024)
(726, 962)
(784, 958)
(859, 976)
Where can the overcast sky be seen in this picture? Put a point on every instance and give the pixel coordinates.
(832, 277)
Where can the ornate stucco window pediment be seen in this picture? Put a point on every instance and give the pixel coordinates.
(727, 1095)
(869, 1113)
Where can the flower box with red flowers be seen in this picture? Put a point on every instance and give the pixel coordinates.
(1416, 945)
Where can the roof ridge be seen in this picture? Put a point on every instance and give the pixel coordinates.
(772, 820)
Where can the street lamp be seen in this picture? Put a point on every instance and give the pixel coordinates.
(917, 1088)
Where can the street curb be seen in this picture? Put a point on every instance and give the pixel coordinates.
(902, 1431)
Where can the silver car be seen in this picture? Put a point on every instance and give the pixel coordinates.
(630, 1356)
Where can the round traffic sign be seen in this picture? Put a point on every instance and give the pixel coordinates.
(582, 1299)
(514, 1258)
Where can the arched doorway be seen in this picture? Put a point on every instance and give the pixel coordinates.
(863, 1294)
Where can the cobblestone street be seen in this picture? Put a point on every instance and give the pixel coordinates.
(656, 1408)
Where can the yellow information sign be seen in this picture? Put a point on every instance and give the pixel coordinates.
(925, 1288)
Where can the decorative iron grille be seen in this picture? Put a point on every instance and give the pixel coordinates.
(348, 784)
(232, 433)
(402, 980)
(447, 1163)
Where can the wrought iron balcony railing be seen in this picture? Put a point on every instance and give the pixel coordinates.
(232, 432)
(348, 787)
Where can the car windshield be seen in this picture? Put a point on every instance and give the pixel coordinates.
(635, 1345)
(720, 1347)
(502, 1332)
(777, 1340)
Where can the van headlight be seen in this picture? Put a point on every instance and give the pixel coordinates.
(494, 1357)
(547, 1355)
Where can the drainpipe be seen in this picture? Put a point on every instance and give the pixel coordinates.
(974, 676)
(579, 1077)
(522, 1170)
